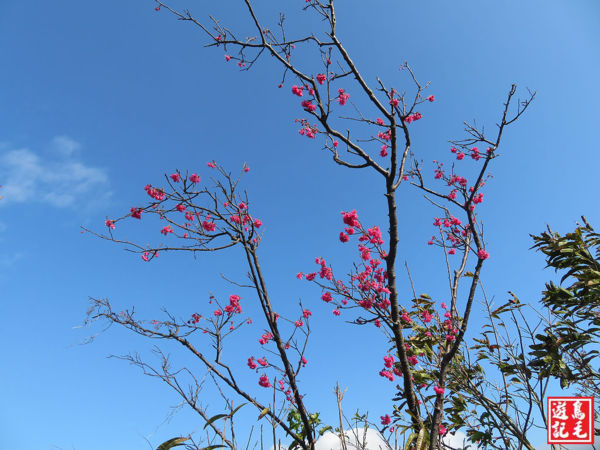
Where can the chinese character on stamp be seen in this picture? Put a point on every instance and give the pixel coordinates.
(570, 420)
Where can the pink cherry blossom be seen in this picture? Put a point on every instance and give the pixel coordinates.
(227, 57)
(386, 374)
(110, 224)
(175, 177)
(211, 164)
(262, 361)
(308, 105)
(426, 316)
(251, 363)
(431, 98)
(297, 90)
(351, 219)
(385, 420)
(342, 97)
(265, 338)
(136, 213)
(180, 207)
(482, 254)
(194, 178)
(264, 381)
(166, 230)
(321, 77)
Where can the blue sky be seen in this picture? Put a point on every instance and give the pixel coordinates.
(100, 99)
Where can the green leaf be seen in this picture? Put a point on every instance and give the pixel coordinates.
(410, 440)
(172, 443)
(237, 409)
(323, 430)
(212, 419)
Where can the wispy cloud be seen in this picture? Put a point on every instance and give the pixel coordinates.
(61, 182)
(7, 260)
(66, 146)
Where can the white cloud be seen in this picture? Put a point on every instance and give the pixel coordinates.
(8, 260)
(374, 441)
(65, 145)
(459, 441)
(26, 177)
(356, 438)
(331, 441)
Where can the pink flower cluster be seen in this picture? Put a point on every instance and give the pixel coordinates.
(389, 369)
(297, 90)
(342, 97)
(166, 230)
(412, 117)
(385, 136)
(195, 318)
(308, 105)
(265, 338)
(234, 305)
(310, 131)
(157, 194)
(264, 381)
(136, 213)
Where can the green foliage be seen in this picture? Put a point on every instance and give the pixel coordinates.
(175, 442)
(296, 425)
(569, 345)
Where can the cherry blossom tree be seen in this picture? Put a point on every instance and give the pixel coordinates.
(427, 338)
